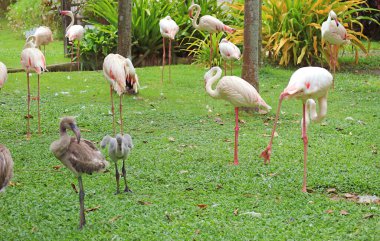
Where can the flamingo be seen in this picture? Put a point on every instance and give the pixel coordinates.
(6, 167)
(119, 148)
(307, 84)
(73, 32)
(121, 75)
(32, 59)
(79, 156)
(209, 24)
(43, 36)
(335, 34)
(236, 91)
(3, 74)
(168, 29)
(229, 51)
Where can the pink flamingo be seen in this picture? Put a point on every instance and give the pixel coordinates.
(335, 34)
(73, 32)
(236, 91)
(208, 24)
(121, 75)
(3, 74)
(307, 84)
(229, 51)
(43, 36)
(6, 167)
(32, 59)
(168, 29)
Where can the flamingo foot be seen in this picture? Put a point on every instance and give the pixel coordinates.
(35, 98)
(127, 190)
(28, 116)
(266, 154)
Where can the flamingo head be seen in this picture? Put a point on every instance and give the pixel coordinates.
(191, 9)
(69, 122)
(224, 40)
(334, 17)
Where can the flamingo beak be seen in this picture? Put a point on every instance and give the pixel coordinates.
(191, 13)
(337, 23)
(76, 131)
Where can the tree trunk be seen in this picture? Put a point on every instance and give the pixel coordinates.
(124, 28)
(251, 50)
(65, 5)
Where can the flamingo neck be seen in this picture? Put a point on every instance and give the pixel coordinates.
(211, 81)
(72, 21)
(194, 22)
(132, 70)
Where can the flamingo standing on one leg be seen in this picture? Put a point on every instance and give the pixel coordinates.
(6, 167)
(32, 59)
(43, 36)
(209, 24)
(121, 75)
(79, 156)
(307, 84)
(73, 32)
(119, 148)
(236, 91)
(229, 51)
(3, 74)
(335, 34)
(168, 29)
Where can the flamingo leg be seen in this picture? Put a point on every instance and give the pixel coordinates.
(121, 114)
(28, 116)
(125, 178)
(82, 219)
(236, 161)
(211, 50)
(266, 153)
(38, 104)
(117, 175)
(72, 55)
(113, 111)
(305, 141)
(78, 55)
(163, 59)
(170, 59)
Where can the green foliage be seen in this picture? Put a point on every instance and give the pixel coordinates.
(27, 14)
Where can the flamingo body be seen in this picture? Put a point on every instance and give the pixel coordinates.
(43, 36)
(307, 84)
(3, 74)
(236, 91)
(32, 59)
(6, 167)
(168, 28)
(229, 50)
(333, 31)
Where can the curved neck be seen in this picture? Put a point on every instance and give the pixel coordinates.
(72, 20)
(198, 8)
(211, 80)
(130, 66)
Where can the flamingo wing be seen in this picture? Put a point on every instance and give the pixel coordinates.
(33, 59)
(113, 70)
(75, 32)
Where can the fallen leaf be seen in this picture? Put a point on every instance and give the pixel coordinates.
(242, 121)
(324, 124)
(273, 174)
(115, 218)
(219, 120)
(171, 139)
(339, 129)
(92, 209)
(227, 140)
(202, 206)
(368, 215)
(331, 190)
(236, 211)
(144, 203)
(349, 118)
(183, 171)
(343, 212)
(189, 189)
(329, 211)
(198, 231)
(13, 184)
(74, 187)
(28, 117)
(219, 186)
(167, 215)
(57, 167)
(350, 196)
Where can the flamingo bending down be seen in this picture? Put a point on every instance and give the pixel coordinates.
(43, 36)
(32, 59)
(236, 91)
(3, 74)
(6, 167)
(208, 24)
(119, 148)
(335, 34)
(229, 51)
(307, 84)
(121, 75)
(73, 32)
(79, 156)
(168, 29)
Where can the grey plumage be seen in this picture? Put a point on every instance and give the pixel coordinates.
(118, 148)
(78, 155)
(6, 167)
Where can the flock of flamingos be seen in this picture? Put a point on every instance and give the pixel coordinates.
(308, 84)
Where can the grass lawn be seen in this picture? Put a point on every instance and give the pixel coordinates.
(183, 158)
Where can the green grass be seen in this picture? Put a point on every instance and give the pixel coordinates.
(12, 43)
(195, 168)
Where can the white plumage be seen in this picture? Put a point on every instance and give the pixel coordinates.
(3, 74)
